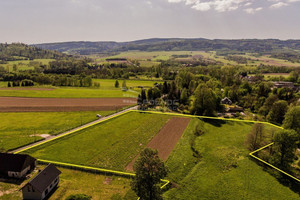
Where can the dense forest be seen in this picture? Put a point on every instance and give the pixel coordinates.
(176, 44)
(18, 51)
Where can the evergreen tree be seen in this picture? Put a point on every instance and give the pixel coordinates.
(117, 84)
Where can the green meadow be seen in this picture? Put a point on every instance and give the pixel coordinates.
(106, 90)
(19, 129)
(218, 166)
(111, 144)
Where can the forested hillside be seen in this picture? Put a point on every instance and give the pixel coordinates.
(177, 44)
(18, 51)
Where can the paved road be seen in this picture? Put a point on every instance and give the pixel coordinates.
(80, 127)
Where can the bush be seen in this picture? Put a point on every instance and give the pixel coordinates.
(79, 197)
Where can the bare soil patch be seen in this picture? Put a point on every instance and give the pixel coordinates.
(166, 139)
(20, 104)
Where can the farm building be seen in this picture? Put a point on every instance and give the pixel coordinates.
(283, 84)
(227, 101)
(42, 184)
(16, 165)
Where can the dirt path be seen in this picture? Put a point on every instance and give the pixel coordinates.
(166, 139)
(80, 127)
(20, 104)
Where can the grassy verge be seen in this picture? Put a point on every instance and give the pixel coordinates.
(221, 168)
(19, 129)
(111, 144)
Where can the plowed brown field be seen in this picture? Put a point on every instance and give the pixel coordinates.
(166, 139)
(19, 104)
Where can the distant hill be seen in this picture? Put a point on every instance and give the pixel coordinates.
(19, 51)
(176, 44)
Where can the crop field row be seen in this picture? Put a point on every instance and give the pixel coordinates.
(111, 144)
(213, 165)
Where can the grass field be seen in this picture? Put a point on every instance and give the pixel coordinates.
(111, 144)
(106, 89)
(100, 187)
(149, 59)
(18, 129)
(68, 92)
(223, 169)
(110, 83)
(24, 64)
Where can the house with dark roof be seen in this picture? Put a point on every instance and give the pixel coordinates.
(42, 184)
(16, 165)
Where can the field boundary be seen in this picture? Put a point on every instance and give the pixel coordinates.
(166, 182)
(238, 120)
(95, 169)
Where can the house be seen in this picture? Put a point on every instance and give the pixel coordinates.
(16, 165)
(227, 101)
(283, 84)
(42, 184)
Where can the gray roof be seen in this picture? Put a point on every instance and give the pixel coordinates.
(14, 162)
(41, 181)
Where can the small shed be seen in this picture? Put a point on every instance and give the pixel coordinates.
(16, 165)
(226, 101)
(42, 184)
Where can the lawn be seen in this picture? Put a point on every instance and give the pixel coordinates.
(18, 129)
(70, 92)
(98, 186)
(111, 144)
(221, 168)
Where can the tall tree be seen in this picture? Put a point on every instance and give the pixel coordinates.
(184, 96)
(205, 102)
(284, 148)
(292, 119)
(277, 112)
(149, 169)
(124, 84)
(255, 137)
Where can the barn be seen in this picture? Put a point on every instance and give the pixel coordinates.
(16, 165)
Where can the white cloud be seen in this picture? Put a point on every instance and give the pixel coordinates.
(202, 6)
(248, 4)
(278, 5)
(252, 10)
(231, 5)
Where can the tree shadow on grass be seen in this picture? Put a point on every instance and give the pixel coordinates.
(214, 122)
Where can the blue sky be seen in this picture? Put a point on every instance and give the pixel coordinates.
(39, 21)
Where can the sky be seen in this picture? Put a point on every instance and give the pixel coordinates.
(44, 21)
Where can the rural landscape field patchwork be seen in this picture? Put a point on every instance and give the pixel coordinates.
(148, 100)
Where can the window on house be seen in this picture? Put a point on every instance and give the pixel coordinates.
(56, 180)
(46, 192)
(28, 188)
